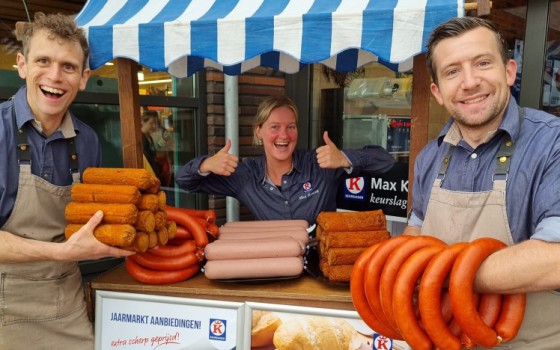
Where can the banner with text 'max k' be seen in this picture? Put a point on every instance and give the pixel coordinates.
(388, 192)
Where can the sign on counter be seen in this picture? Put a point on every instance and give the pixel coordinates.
(136, 321)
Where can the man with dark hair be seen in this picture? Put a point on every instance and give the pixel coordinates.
(494, 171)
(44, 150)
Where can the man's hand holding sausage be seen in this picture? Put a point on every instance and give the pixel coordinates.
(329, 156)
(221, 163)
(83, 245)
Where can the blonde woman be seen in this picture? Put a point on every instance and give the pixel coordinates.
(283, 183)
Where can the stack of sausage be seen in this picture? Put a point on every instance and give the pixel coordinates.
(257, 250)
(133, 208)
(343, 236)
(182, 257)
(387, 276)
(135, 217)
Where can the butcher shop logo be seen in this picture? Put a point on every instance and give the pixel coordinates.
(382, 343)
(217, 329)
(307, 186)
(355, 189)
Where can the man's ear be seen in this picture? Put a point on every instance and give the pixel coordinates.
(84, 79)
(511, 72)
(435, 91)
(21, 65)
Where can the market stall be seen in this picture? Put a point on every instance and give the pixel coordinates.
(182, 37)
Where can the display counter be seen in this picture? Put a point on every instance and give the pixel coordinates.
(301, 291)
(195, 314)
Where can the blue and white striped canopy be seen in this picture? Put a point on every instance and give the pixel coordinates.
(184, 36)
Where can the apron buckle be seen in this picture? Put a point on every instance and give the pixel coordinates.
(499, 176)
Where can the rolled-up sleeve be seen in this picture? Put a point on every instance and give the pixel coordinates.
(188, 178)
(374, 159)
(548, 230)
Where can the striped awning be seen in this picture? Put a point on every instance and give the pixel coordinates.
(184, 36)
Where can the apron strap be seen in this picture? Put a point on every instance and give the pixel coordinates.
(74, 166)
(24, 156)
(24, 153)
(503, 157)
(444, 165)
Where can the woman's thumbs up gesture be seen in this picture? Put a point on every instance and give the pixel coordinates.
(329, 156)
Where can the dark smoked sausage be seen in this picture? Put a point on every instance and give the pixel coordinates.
(148, 276)
(461, 290)
(431, 286)
(359, 299)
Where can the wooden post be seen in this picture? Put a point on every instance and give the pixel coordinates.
(131, 133)
(420, 115)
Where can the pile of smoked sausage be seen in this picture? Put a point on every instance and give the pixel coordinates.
(132, 203)
(169, 242)
(182, 257)
(385, 279)
(257, 250)
(343, 236)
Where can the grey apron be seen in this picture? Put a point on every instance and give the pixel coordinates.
(42, 304)
(455, 216)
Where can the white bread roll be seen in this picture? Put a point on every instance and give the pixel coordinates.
(263, 326)
(316, 333)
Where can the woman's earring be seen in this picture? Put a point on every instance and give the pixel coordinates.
(259, 142)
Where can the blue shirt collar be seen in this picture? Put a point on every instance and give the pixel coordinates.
(510, 123)
(262, 166)
(68, 127)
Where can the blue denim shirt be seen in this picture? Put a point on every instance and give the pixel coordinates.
(305, 192)
(533, 184)
(49, 155)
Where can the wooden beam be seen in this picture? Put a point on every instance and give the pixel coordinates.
(131, 133)
(482, 7)
(420, 115)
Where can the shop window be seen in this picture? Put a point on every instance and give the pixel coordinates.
(366, 108)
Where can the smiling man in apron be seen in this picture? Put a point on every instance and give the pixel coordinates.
(44, 150)
(494, 171)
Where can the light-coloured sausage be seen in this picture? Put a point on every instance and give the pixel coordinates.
(223, 249)
(236, 229)
(253, 268)
(268, 223)
(297, 233)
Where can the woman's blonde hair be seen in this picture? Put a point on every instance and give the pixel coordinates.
(266, 107)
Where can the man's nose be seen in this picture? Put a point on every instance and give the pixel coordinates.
(470, 78)
(55, 72)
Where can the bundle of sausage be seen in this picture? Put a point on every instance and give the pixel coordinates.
(385, 277)
(133, 208)
(182, 256)
(257, 249)
(343, 236)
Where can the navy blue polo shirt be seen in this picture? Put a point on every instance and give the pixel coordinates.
(304, 193)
